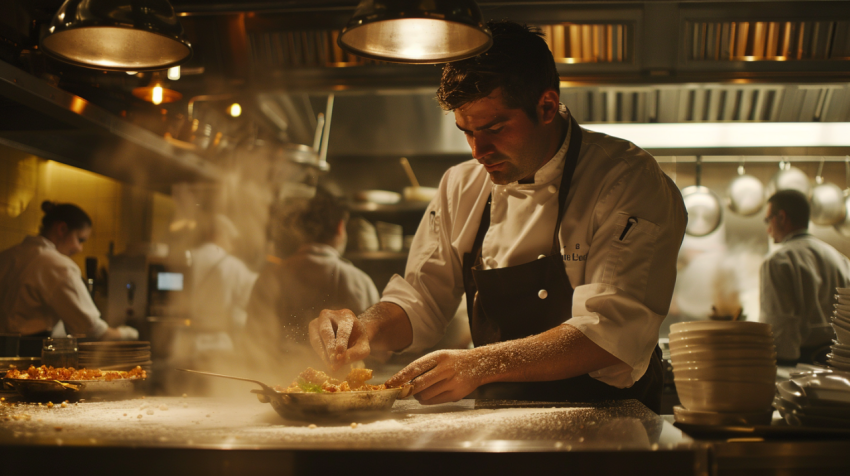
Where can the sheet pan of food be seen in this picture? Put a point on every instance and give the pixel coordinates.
(45, 383)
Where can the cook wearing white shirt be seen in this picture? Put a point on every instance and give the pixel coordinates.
(798, 282)
(558, 301)
(40, 285)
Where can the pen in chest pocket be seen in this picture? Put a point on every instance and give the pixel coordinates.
(629, 226)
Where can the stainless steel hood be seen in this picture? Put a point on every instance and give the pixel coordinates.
(397, 123)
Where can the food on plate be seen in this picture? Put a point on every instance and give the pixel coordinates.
(70, 373)
(316, 381)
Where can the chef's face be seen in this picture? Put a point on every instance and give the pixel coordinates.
(505, 140)
(70, 242)
(773, 220)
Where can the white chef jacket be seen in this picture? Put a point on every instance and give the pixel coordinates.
(623, 280)
(39, 286)
(221, 286)
(293, 293)
(798, 282)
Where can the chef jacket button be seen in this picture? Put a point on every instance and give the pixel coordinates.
(553, 188)
(541, 256)
(542, 294)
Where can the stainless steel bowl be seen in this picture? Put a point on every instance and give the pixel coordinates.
(300, 406)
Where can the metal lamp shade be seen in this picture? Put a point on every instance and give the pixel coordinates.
(117, 35)
(416, 31)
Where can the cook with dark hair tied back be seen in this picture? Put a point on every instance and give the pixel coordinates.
(41, 285)
(287, 294)
(564, 241)
(798, 282)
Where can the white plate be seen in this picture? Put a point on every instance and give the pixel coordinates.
(723, 364)
(683, 415)
(718, 396)
(831, 389)
(839, 317)
(843, 299)
(843, 291)
(838, 365)
(738, 327)
(725, 339)
(840, 345)
(841, 333)
(838, 358)
(841, 307)
(840, 352)
(727, 353)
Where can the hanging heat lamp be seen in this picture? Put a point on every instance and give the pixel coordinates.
(157, 91)
(117, 35)
(416, 31)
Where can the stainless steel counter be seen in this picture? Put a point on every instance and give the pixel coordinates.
(171, 435)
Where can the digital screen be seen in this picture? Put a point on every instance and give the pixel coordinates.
(169, 281)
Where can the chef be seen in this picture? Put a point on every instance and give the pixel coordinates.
(40, 285)
(798, 281)
(564, 241)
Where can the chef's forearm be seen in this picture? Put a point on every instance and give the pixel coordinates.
(559, 353)
(387, 327)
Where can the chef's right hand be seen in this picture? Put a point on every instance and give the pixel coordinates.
(339, 338)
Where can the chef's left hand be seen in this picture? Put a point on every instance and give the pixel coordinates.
(441, 376)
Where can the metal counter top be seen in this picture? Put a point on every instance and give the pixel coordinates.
(164, 434)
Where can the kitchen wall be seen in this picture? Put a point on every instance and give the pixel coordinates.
(122, 214)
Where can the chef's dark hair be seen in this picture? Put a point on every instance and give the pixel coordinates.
(794, 204)
(316, 220)
(519, 62)
(66, 213)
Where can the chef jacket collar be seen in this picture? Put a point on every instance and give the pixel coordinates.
(551, 170)
(39, 240)
(319, 249)
(795, 234)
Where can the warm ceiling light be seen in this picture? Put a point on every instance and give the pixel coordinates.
(730, 134)
(157, 92)
(414, 31)
(173, 73)
(117, 35)
(235, 110)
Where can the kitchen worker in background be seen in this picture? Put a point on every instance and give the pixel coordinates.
(564, 241)
(40, 285)
(220, 287)
(798, 281)
(290, 293)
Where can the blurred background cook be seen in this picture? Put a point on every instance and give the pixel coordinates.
(289, 294)
(40, 285)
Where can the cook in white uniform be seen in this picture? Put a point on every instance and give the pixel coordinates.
(40, 285)
(617, 243)
(798, 281)
(287, 294)
(220, 287)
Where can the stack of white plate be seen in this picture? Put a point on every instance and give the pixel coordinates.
(840, 356)
(815, 398)
(725, 368)
(115, 355)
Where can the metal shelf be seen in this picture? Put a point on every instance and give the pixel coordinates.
(54, 124)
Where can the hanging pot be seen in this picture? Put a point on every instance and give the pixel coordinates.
(828, 207)
(789, 178)
(843, 226)
(745, 194)
(704, 209)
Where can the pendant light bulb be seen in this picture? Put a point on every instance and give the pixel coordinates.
(156, 95)
(174, 73)
(235, 110)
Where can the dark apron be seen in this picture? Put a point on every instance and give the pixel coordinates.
(520, 301)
